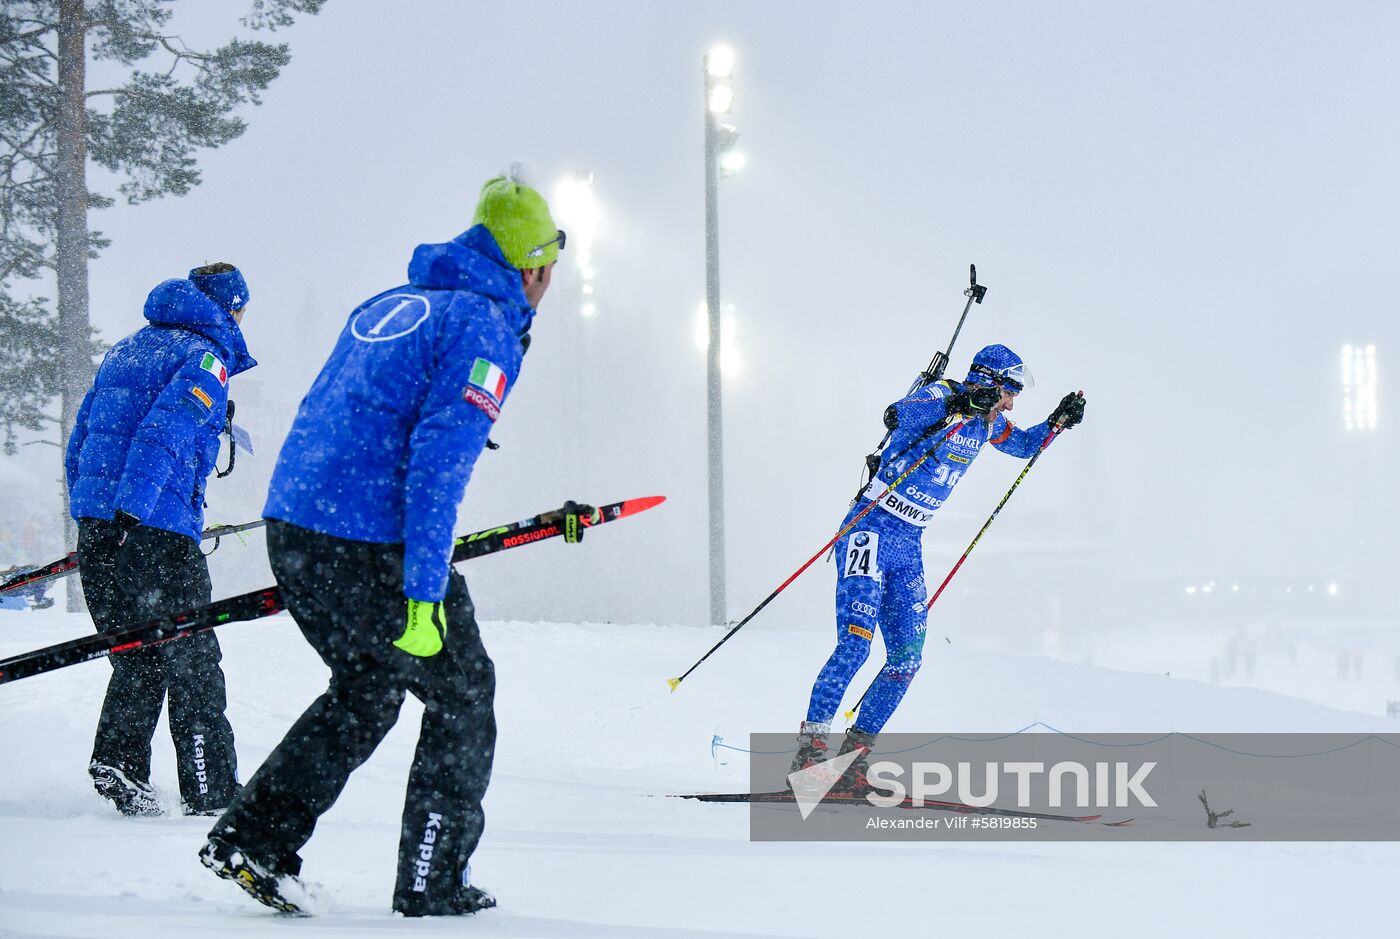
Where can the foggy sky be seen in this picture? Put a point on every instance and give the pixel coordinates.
(1183, 210)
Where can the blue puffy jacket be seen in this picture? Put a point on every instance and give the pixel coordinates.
(147, 433)
(385, 440)
(927, 488)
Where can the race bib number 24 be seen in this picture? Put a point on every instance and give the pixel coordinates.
(862, 549)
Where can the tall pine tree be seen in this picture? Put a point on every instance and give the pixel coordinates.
(174, 101)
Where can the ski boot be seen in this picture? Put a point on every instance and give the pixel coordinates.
(262, 883)
(132, 797)
(811, 746)
(853, 782)
(467, 900)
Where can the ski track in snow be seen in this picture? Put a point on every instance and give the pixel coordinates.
(576, 843)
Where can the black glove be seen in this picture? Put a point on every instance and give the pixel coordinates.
(1069, 411)
(975, 400)
(126, 524)
(574, 515)
(105, 541)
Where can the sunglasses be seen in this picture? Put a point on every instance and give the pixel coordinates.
(559, 238)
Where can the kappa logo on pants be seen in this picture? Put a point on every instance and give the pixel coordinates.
(424, 864)
(201, 767)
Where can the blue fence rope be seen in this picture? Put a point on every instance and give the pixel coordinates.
(717, 743)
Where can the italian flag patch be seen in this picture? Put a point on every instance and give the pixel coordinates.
(211, 364)
(489, 378)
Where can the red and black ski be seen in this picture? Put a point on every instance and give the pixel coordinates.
(266, 602)
(846, 798)
(69, 563)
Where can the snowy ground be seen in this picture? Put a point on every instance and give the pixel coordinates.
(578, 845)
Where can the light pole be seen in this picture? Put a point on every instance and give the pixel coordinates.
(719, 97)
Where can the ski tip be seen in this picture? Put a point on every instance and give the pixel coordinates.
(631, 506)
(674, 683)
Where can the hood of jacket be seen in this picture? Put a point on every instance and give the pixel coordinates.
(179, 304)
(473, 261)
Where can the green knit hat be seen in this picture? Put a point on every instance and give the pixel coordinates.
(519, 218)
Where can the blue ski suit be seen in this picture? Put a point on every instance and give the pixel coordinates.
(880, 583)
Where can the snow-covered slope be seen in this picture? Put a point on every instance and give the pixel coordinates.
(577, 844)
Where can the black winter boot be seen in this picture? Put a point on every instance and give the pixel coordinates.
(466, 900)
(282, 891)
(130, 795)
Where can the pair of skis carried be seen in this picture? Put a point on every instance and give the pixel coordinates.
(268, 601)
(69, 562)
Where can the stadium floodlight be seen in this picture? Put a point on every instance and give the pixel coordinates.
(1359, 381)
(576, 209)
(721, 98)
(719, 62)
(729, 358)
(731, 162)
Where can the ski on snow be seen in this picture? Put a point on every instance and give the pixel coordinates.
(268, 601)
(846, 798)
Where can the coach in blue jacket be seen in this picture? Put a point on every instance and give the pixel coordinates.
(144, 443)
(361, 510)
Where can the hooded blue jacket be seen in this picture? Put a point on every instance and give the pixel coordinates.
(384, 442)
(147, 433)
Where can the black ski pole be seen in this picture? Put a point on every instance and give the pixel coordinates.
(675, 682)
(1055, 431)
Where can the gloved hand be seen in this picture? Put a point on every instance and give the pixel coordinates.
(975, 400)
(574, 514)
(126, 524)
(426, 629)
(1069, 411)
(104, 543)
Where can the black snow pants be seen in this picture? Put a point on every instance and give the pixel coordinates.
(347, 598)
(155, 573)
